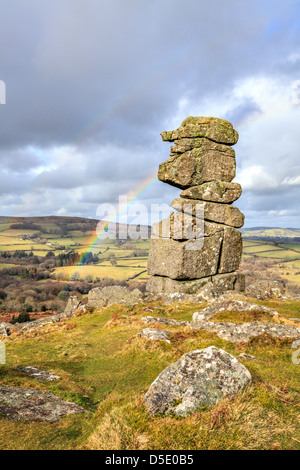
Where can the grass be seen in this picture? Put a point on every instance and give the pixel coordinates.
(260, 248)
(115, 272)
(106, 367)
(279, 254)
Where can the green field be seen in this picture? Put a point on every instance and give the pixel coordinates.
(260, 248)
(77, 235)
(99, 271)
(126, 264)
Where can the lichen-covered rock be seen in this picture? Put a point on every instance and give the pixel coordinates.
(21, 404)
(183, 226)
(178, 259)
(232, 306)
(234, 281)
(39, 374)
(248, 357)
(214, 191)
(243, 332)
(193, 168)
(157, 284)
(5, 328)
(220, 283)
(213, 211)
(231, 251)
(200, 241)
(101, 297)
(164, 321)
(155, 334)
(266, 289)
(200, 378)
(72, 305)
(212, 128)
(204, 145)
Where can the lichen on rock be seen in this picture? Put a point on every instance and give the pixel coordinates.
(200, 378)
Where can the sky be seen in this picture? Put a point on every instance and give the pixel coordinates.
(91, 84)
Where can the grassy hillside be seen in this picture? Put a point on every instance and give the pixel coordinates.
(106, 367)
(271, 232)
(37, 251)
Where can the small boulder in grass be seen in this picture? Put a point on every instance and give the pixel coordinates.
(155, 334)
(200, 378)
(39, 374)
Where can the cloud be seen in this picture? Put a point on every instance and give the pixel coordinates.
(90, 86)
(292, 181)
(257, 178)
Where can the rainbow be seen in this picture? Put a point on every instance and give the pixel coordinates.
(130, 198)
(142, 188)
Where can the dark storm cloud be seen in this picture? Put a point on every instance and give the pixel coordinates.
(124, 65)
(100, 79)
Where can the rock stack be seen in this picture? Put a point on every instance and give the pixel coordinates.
(202, 163)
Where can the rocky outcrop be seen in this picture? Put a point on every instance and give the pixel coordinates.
(155, 335)
(21, 404)
(217, 130)
(38, 374)
(198, 243)
(72, 305)
(5, 328)
(243, 332)
(164, 321)
(236, 332)
(266, 289)
(198, 379)
(214, 191)
(102, 297)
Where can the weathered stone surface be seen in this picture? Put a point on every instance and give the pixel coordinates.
(248, 357)
(178, 260)
(231, 251)
(228, 281)
(214, 191)
(199, 241)
(183, 226)
(232, 306)
(101, 297)
(213, 212)
(164, 321)
(220, 283)
(155, 334)
(21, 404)
(193, 168)
(212, 128)
(266, 289)
(241, 333)
(32, 325)
(205, 145)
(244, 331)
(4, 328)
(198, 379)
(39, 374)
(157, 284)
(72, 305)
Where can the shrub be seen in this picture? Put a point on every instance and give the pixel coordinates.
(22, 318)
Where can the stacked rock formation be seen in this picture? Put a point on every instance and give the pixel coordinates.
(202, 163)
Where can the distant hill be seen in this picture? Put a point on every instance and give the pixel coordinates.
(48, 224)
(56, 224)
(272, 233)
